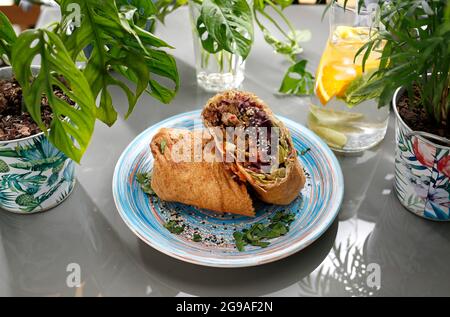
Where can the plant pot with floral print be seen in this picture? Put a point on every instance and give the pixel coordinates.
(417, 59)
(34, 175)
(422, 170)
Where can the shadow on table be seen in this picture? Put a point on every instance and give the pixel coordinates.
(35, 251)
(414, 253)
(253, 281)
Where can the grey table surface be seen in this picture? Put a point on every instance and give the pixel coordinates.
(412, 254)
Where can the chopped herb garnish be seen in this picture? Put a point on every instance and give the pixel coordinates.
(258, 234)
(162, 146)
(283, 217)
(145, 180)
(239, 239)
(305, 151)
(196, 237)
(173, 227)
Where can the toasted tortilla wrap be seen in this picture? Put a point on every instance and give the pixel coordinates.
(278, 182)
(198, 181)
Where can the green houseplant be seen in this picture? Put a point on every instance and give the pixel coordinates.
(122, 52)
(414, 73)
(224, 35)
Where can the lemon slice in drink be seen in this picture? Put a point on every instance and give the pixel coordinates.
(331, 116)
(351, 33)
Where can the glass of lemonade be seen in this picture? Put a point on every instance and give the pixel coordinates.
(345, 123)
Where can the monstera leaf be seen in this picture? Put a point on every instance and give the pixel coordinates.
(165, 7)
(72, 127)
(120, 44)
(143, 10)
(7, 36)
(226, 25)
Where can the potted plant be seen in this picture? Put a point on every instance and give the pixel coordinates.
(50, 110)
(415, 56)
(223, 34)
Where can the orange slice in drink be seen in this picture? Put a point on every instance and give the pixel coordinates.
(333, 79)
(337, 68)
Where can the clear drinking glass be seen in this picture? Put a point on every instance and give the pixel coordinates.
(346, 126)
(215, 72)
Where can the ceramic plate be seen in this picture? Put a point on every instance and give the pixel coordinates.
(315, 208)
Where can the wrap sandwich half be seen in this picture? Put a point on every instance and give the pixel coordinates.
(198, 181)
(276, 181)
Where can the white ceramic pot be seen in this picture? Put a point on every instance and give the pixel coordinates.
(34, 175)
(422, 170)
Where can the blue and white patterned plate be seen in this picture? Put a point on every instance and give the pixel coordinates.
(315, 209)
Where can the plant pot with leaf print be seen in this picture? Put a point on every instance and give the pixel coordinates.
(415, 57)
(48, 112)
(34, 175)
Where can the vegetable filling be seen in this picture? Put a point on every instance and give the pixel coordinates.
(243, 112)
